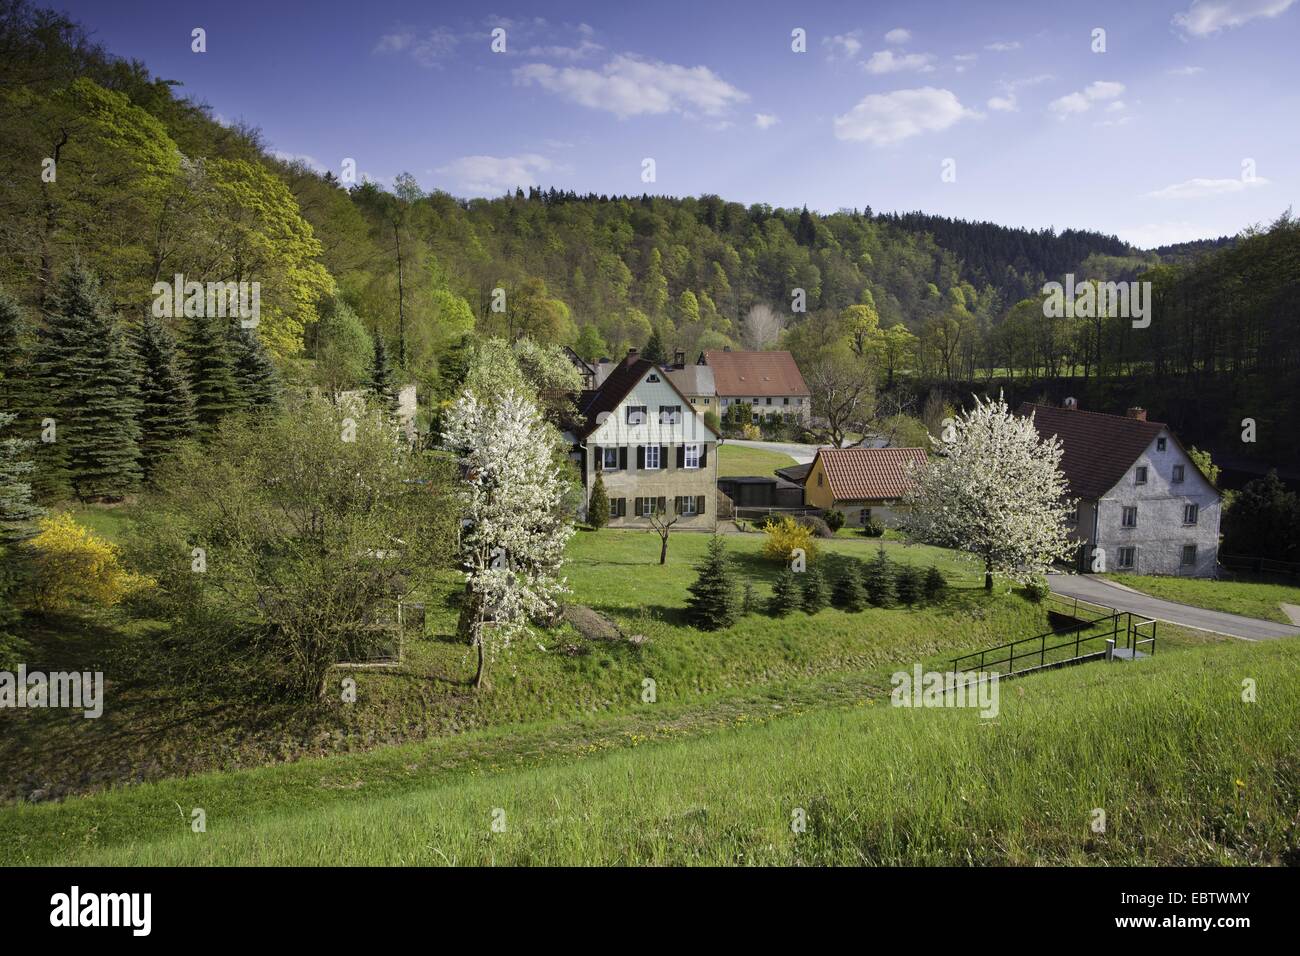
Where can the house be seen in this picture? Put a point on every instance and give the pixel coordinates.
(655, 453)
(769, 382)
(586, 370)
(405, 414)
(696, 383)
(1142, 500)
(864, 483)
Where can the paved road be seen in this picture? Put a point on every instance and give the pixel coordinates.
(1101, 591)
(802, 454)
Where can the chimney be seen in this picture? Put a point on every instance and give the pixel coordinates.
(632, 354)
(679, 357)
(726, 348)
(1137, 414)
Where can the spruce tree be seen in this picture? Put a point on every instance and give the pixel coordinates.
(654, 349)
(908, 584)
(786, 596)
(848, 593)
(878, 580)
(84, 371)
(598, 506)
(17, 510)
(381, 377)
(748, 602)
(814, 591)
(712, 604)
(209, 367)
(257, 386)
(166, 405)
(935, 584)
(13, 351)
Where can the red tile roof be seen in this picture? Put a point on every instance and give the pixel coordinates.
(1098, 449)
(755, 374)
(863, 474)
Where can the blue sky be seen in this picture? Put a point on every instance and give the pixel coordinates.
(1185, 127)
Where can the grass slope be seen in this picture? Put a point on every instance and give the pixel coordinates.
(738, 460)
(1186, 772)
(1253, 599)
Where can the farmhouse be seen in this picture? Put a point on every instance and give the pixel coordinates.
(864, 483)
(1142, 500)
(655, 453)
(769, 382)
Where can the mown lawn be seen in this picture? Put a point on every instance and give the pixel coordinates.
(738, 460)
(1185, 771)
(1253, 599)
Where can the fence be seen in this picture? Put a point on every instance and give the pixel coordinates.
(1288, 570)
(1070, 645)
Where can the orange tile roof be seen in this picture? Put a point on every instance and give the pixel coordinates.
(862, 474)
(755, 374)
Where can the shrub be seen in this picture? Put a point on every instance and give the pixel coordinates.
(72, 566)
(873, 528)
(935, 584)
(748, 602)
(784, 536)
(908, 583)
(598, 507)
(1037, 589)
(752, 433)
(711, 420)
(712, 604)
(786, 596)
(816, 525)
(834, 519)
(848, 593)
(878, 580)
(814, 591)
(763, 522)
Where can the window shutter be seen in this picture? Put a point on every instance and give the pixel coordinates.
(663, 457)
(660, 507)
(600, 457)
(699, 504)
(622, 507)
(640, 462)
(704, 455)
(681, 456)
(622, 457)
(637, 505)
(677, 505)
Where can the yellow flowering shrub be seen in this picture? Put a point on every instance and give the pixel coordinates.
(73, 566)
(786, 534)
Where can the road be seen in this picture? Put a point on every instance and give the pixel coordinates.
(802, 454)
(1101, 591)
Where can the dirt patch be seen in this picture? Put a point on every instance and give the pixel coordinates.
(594, 626)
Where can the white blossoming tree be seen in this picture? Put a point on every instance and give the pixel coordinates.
(513, 544)
(996, 490)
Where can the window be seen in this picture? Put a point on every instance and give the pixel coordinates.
(651, 457)
(636, 414)
(1127, 556)
(769, 401)
(1180, 473)
(1130, 519)
(821, 479)
(647, 507)
(652, 378)
(866, 516)
(1189, 555)
(1162, 444)
(1141, 474)
(692, 456)
(686, 506)
(1191, 513)
(670, 414)
(695, 401)
(618, 507)
(798, 401)
(725, 401)
(785, 401)
(754, 419)
(609, 456)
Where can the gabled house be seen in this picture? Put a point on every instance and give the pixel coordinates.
(655, 453)
(585, 369)
(864, 483)
(769, 382)
(1142, 500)
(696, 383)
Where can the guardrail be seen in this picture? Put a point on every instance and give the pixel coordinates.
(1028, 649)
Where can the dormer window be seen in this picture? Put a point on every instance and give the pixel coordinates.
(1180, 474)
(652, 377)
(1141, 475)
(636, 414)
(1162, 444)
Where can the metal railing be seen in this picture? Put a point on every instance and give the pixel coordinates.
(1031, 653)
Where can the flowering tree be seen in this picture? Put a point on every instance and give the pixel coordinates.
(513, 545)
(995, 490)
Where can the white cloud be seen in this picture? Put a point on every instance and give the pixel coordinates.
(494, 175)
(765, 120)
(898, 35)
(1116, 107)
(311, 162)
(843, 46)
(1206, 17)
(884, 118)
(1003, 104)
(427, 49)
(1003, 46)
(1154, 234)
(1201, 188)
(885, 61)
(585, 47)
(1186, 71)
(1082, 102)
(964, 60)
(631, 86)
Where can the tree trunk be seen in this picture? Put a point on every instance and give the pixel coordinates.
(478, 674)
(988, 575)
(663, 550)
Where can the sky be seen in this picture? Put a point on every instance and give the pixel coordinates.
(1155, 120)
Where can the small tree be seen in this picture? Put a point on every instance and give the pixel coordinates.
(878, 580)
(663, 525)
(834, 519)
(995, 490)
(381, 377)
(712, 604)
(749, 602)
(785, 536)
(848, 593)
(786, 596)
(908, 584)
(166, 405)
(257, 386)
(598, 506)
(935, 584)
(814, 591)
(17, 510)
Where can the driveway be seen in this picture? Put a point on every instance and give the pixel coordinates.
(802, 454)
(1101, 591)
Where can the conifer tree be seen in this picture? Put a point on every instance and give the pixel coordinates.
(257, 386)
(166, 405)
(17, 510)
(13, 351)
(712, 604)
(209, 367)
(748, 602)
(786, 596)
(878, 580)
(935, 584)
(84, 373)
(381, 377)
(654, 349)
(908, 584)
(848, 593)
(598, 506)
(814, 591)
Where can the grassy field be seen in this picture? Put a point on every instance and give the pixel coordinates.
(1250, 598)
(737, 460)
(1185, 771)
